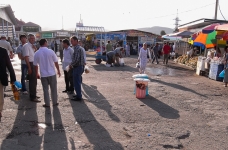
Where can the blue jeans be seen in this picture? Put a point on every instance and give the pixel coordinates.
(24, 70)
(77, 78)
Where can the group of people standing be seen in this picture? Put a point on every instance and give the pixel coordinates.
(42, 64)
(153, 54)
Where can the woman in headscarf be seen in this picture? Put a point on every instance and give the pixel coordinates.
(144, 54)
(226, 66)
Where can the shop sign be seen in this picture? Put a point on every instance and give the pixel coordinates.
(47, 35)
(62, 34)
(109, 36)
(147, 40)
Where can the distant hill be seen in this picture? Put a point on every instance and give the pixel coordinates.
(157, 30)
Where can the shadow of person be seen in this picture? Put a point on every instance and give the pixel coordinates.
(163, 109)
(54, 136)
(97, 135)
(176, 86)
(96, 98)
(25, 130)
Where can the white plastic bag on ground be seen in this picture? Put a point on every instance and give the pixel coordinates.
(121, 61)
(86, 69)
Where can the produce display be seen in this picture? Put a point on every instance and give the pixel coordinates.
(192, 62)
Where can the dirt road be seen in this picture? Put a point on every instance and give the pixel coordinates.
(183, 111)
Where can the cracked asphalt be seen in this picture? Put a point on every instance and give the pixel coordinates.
(182, 111)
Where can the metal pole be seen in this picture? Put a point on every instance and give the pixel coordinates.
(3, 26)
(7, 29)
(216, 9)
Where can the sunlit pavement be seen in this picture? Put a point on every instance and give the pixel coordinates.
(182, 111)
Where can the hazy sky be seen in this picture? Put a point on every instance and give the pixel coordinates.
(113, 14)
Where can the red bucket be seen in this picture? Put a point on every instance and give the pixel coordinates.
(140, 93)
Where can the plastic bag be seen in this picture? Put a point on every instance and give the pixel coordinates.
(222, 74)
(121, 61)
(67, 68)
(58, 53)
(86, 69)
(137, 65)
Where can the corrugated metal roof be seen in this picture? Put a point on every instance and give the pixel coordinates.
(9, 12)
(90, 29)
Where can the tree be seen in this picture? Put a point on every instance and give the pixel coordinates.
(162, 32)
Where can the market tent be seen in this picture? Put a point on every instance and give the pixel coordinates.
(210, 28)
(184, 34)
(223, 27)
(206, 40)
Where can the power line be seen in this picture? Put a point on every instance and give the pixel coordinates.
(221, 12)
(181, 12)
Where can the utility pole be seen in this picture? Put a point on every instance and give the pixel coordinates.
(62, 22)
(176, 22)
(216, 8)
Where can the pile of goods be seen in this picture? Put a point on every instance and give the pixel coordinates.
(192, 62)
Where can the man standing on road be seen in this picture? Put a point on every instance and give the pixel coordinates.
(5, 63)
(61, 50)
(166, 51)
(77, 64)
(127, 50)
(6, 45)
(24, 68)
(67, 59)
(155, 50)
(108, 47)
(47, 61)
(28, 52)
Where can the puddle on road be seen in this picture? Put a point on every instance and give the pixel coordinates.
(165, 71)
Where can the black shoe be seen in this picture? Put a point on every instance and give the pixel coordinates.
(70, 92)
(74, 96)
(35, 100)
(76, 99)
(65, 91)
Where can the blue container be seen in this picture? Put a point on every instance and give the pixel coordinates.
(17, 84)
(220, 69)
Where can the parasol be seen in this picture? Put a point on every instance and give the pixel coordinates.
(204, 40)
(210, 28)
(223, 27)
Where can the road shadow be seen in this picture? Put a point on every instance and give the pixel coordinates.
(97, 135)
(176, 86)
(25, 131)
(96, 98)
(163, 109)
(55, 135)
(102, 67)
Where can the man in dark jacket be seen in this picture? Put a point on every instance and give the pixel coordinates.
(5, 63)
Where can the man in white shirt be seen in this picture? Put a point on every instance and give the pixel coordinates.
(6, 45)
(47, 61)
(28, 52)
(67, 59)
